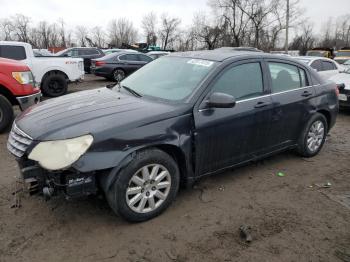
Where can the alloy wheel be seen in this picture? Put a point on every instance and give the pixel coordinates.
(148, 188)
(118, 75)
(315, 136)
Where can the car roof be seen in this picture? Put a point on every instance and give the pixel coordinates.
(157, 52)
(220, 55)
(15, 43)
(313, 58)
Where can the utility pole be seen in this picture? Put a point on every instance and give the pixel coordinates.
(287, 28)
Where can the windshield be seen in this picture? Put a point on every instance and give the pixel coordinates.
(343, 53)
(169, 78)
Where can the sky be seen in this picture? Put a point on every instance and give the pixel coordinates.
(92, 12)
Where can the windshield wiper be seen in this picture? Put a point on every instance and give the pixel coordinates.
(131, 91)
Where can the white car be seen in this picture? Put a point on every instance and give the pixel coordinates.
(346, 64)
(157, 54)
(324, 66)
(343, 81)
(51, 73)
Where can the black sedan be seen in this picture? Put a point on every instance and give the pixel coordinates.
(117, 66)
(181, 117)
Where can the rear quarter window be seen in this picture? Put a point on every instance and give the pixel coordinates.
(287, 77)
(13, 52)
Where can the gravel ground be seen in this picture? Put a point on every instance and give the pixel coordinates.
(290, 217)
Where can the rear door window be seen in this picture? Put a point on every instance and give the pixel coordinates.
(129, 57)
(145, 58)
(286, 77)
(13, 52)
(90, 52)
(317, 64)
(241, 81)
(327, 65)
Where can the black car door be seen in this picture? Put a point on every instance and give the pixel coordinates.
(291, 94)
(144, 59)
(227, 136)
(130, 63)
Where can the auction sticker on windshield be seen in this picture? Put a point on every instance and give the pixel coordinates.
(200, 62)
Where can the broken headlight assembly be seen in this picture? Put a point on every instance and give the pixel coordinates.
(60, 154)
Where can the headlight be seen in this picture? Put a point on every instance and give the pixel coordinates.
(23, 78)
(60, 154)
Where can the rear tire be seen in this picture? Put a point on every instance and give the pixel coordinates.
(54, 85)
(151, 194)
(118, 75)
(6, 113)
(313, 136)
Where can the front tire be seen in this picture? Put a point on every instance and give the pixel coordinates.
(313, 136)
(6, 113)
(54, 85)
(146, 187)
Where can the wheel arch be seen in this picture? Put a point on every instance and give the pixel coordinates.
(53, 72)
(9, 96)
(328, 117)
(109, 176)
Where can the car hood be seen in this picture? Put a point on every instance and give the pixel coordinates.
(342, 78)
(92, 112)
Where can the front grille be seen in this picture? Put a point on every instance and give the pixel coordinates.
(18, 141)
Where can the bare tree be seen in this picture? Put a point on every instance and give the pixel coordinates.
(44, 31)
(62, 32)
(169, 30)
(235, 22)
(121, 32)
(148, 24)
(98, 36)
(7, 29)
(305, 40)
(207, 32)
(81, 33)
(21, 27)
(186, 41)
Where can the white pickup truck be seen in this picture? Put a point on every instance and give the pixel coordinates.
(50, 72)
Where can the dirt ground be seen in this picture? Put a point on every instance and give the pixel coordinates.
(291, 218)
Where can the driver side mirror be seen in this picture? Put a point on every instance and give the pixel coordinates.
(221, 100)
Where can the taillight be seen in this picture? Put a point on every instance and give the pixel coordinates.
(99, 63)
(337, 90)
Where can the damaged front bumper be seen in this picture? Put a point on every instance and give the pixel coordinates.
(70, 183)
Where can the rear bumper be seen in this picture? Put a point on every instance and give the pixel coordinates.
(27, 101)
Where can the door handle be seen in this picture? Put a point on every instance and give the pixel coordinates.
(306, 94)
(262, 104)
